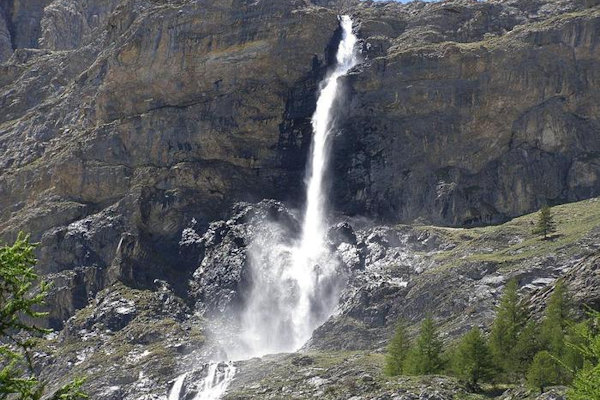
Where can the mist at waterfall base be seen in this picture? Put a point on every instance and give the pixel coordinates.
(296, 282)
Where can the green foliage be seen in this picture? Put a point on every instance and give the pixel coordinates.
(551, 339)
(556, 320)
(545, 224)
(20, 296)
(472, 360)
(71, 391)
(572, 358)
(397, 351)
(545, 370)
(425, 357)
(510, 321)
(527, 347)
(17, 279)
(586, 385)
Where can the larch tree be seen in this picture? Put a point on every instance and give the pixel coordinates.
(545, 225)
(397, 350)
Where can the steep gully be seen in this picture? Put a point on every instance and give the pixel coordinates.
(295, 288)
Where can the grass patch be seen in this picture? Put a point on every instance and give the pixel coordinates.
(513, 242)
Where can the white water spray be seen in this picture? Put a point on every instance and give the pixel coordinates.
(312, 264)
(295, 287)
(176, 390)
(218, 378)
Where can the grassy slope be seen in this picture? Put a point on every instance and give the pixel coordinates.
(512, 243)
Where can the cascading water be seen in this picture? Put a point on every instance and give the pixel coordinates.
(218, 378)
(176, 390)
(295, 287)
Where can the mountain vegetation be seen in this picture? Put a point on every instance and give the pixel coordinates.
(560, 352)
(21, 295)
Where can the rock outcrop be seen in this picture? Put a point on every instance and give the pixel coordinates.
(455, 275)
(470, 113)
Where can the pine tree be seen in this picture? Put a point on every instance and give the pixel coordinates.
(426, 356)
(572, 357)
(396, 351)
(544, 371)
(472, 359)
(556, 320)
(527, 347)
(586, 385)
(19, 297)
(508, 325)
(545, 224)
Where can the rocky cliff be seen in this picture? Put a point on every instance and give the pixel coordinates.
(125, 120)
(128, 126)
(469, 113)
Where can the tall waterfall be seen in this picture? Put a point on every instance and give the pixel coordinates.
(295, 287)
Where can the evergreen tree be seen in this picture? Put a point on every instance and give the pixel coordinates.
(527, 347)
(586, 385)
(426, 356)
(544, 371)
(506, 329)
(572, 357)
(472, 359)
(396, 351)
(19, 297)
(556, 320)
(545, 224)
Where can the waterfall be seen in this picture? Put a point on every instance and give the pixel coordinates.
(312, 264)
(295, 287)
(217, 380)
(176, 390)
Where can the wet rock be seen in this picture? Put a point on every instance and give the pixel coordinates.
(341, 233)
(222, 279)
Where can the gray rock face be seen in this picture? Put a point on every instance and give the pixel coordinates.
(71, 24)
(23, 20)
(152, 115)
(6, 48)
(470, 113)
(129, 118)
(222, 279)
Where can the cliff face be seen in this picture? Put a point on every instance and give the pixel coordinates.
(469, 113)
(124, 120)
